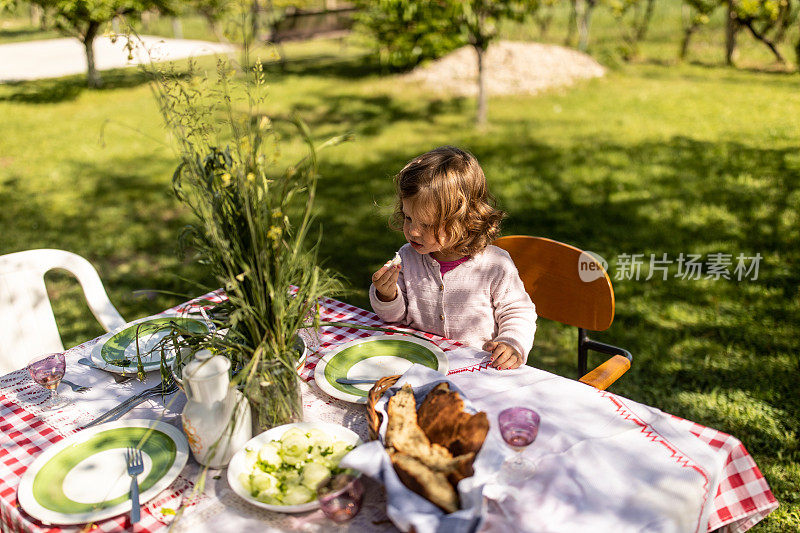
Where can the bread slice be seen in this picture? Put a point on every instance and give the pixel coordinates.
(428, 483)
(424, 459)
(443, 420)
(404, 434)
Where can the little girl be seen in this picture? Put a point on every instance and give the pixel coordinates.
(451, 281)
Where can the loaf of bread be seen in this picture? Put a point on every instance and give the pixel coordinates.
(404, 434)
(426, 482)
(431, 462)
(443, 420)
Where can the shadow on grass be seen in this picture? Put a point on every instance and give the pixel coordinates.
(54, 90)
(23, 34)
(369, 115)
(688, 337)
(326, 65)
(125, 221)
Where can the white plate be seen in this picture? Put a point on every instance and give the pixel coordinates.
(373, 358)
(237, 464)
(84, 478)
(120, 344)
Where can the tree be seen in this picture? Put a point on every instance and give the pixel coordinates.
(699, 12)
(633, 18)
(83, 19)
(761, 18)
(404, 33)
(544, 15)
(583, 16)
(405, 29)
(478, 21)
(766, 20)
(213, 11)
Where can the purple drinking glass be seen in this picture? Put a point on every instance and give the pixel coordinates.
(48, 370)
(341, 496)
(519, 427)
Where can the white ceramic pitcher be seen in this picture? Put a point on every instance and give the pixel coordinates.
(216, 418)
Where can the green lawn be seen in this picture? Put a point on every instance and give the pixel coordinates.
(654, 158)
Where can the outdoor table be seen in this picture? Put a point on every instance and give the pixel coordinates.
(741, 497)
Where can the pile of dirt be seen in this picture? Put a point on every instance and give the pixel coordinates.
(511, 68)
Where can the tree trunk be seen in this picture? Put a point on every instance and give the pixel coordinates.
(92, 75)
(216, 28)
(255, 13)
(584, 19)
(644, 22)
(731, 29)
(147, 21)
(572, 24)
(687, 35)
(37, 16)
(761, 37)
(177, 28)
(483, 104)
(797, 52)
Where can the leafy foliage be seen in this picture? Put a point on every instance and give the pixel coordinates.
(242, 202)
(634, 20)
(404, 33)
(253, 215)
(478, 21)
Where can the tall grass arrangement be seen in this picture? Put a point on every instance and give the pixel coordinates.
(253, 219)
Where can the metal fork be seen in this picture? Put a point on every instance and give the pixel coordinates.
(167, 387)
(133, 457)
(74, 386)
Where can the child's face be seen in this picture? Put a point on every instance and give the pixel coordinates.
(418, 228)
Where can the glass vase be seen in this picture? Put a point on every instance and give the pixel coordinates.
(274, 395)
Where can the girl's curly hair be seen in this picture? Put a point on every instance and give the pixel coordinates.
(449, 185)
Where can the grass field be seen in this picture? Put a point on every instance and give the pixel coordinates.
(655, 158)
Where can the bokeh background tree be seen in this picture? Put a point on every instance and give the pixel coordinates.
(84, 20)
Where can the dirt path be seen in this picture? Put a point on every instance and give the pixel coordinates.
(53, 58)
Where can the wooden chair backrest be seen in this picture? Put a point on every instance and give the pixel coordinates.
(550, 271)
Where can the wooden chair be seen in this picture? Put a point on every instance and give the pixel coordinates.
(554, 275)
(27, 324)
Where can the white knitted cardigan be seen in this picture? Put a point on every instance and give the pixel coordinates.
(481, 299)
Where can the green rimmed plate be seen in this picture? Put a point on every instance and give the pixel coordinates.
(84, 477)
(116, 351)
(374, 358)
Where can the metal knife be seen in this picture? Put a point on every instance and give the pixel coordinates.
(355, 381)
(119, 378)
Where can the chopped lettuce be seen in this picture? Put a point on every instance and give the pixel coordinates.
(289, 470)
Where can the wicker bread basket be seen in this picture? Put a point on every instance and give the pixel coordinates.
(375, 393)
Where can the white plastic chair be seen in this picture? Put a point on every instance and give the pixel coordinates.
(27, 324)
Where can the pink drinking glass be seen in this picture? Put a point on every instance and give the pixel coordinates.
(341, 496)
(47, 370)
(519, 427)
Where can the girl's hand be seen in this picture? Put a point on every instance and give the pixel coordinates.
(504, 357)
(385, 281)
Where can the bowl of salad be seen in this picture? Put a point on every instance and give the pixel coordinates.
(280, 469)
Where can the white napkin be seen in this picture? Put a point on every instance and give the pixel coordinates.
(404, 507)
(602, 463)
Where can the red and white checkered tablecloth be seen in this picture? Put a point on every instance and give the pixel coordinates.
(742, 499)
